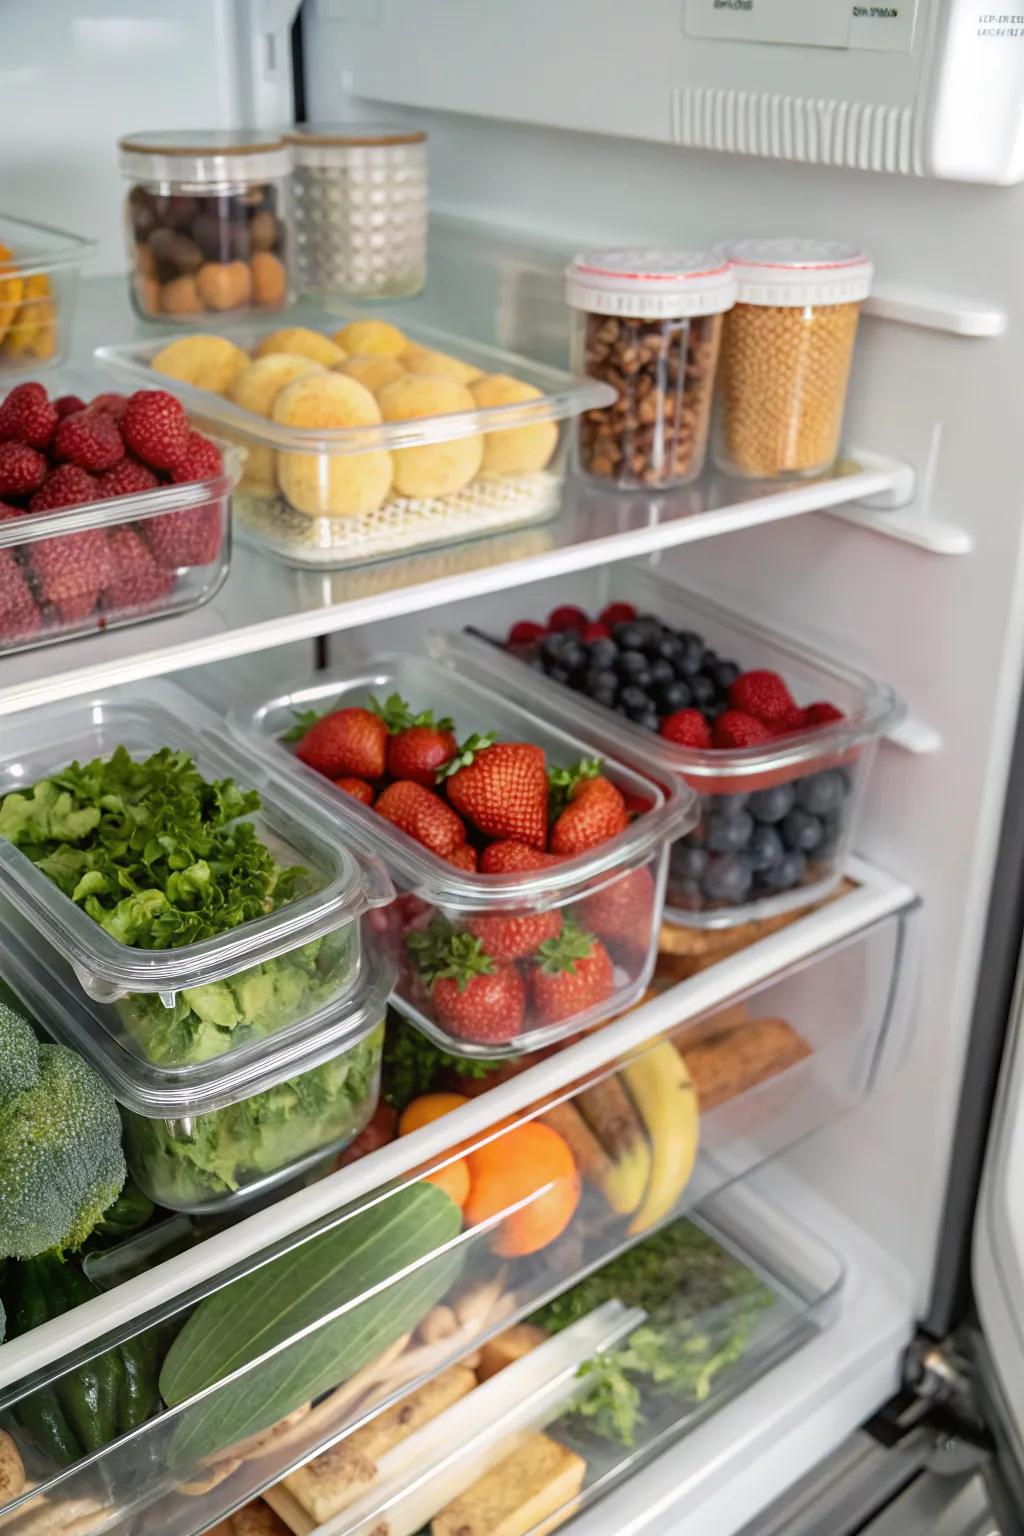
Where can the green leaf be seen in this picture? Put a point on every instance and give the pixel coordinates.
(305, 719)
(465, 755)
(562, 782)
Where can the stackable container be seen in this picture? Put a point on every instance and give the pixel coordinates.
(786, 355)
(819, 775)
(207, 223)
(39, 271)
(648, 323)
(221, 999)
(361, 210)
(136, 557)
(213, 1134)
(591, 887)
(475, 442)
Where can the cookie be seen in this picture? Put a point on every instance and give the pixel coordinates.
(426, 360)
(374, 372)
(255, 389)
(208, 362)
(439, 469)
(519, 450)
(331, 484)
(302, 342)
(371, 338)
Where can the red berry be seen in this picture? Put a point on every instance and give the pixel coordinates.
(346, 743)
(595, 630)
(156, 428)
(357, 788)
(686, 728)
(567, 617)
(733, 728)
(67, 405)
(463, 857)
(423, 815)
(22, 469)
(762, 694)
(71, 571)
(26, 416)
(795, 720)
(180, 539)
(89, 439)
(65, 486)
(201, 461)
(129, 478)
(137, 581)
(113, 403)
(509, 857)
(19, 616)
(7, 511)
(822, 714)
(617, 613)
(525, 632)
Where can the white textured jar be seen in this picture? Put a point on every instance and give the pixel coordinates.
(361, 208)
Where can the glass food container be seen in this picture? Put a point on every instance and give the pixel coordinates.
(361, 210)
(207, 223)
(39, 271)
(647, 322)
(786, 355)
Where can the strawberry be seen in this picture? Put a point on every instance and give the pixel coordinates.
(502, 788)
(423, 815)
(733, 728)
(89, 439)
(22, 469)
(822, 714)
(514, 935)
(617, 613)
(113, 403)
(26, 416)
(463, 857)
(65, 486)
(417, 744)
(525, 632)
(67, 405)
(574, 974)
(185, 538)
(622, 914)
(155, 427)
(201, 461)
(19, 616)
(507, 858)
(128, 478)
(595, 630)
(761, 694)
(346, 742)
(795, 720)
(566, 617)
(474, 997)
(137, 580)
(686, 728)
(71, 571)
(594, 809)
(357, 788)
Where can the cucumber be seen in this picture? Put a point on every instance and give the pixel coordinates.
(242, 1321)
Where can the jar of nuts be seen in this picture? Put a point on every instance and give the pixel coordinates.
(648, 322)
(786, 355)
(207, 223)
(360, 210)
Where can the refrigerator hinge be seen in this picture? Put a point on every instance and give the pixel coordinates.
(940, 1398)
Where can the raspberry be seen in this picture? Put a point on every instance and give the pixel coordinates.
(566, 617)
(763, 695)
(70, 571)
(67, 405)
(113, 403)
(617, 613)
(65, 486)
(22, 469)
(595, 630)
(7, 511)
(156, 428)
(129, 478)
(795, 720)
(137, 580)
(202, 461)
(19, 615)
(733, 728)
(26, 416)
(89, 439)
(822, 714)
(185, 538)
(525, 632)
(686, 728)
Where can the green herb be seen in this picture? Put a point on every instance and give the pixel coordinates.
(413, 1064)
(702, 1306)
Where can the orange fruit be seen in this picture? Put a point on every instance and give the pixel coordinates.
(453, 1178)
(528, 1160)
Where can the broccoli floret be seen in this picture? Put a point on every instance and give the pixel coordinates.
(61, 1163)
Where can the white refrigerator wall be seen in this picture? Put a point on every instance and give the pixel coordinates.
(945, 631)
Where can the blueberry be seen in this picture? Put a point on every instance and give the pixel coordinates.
(661, 672)
(820, 792)
(708, 660)
(559, 674)
(687, 662)
(551, 646)
(669, 646)
(697, 837)
(603, 652)
(723, 673)
(573, 656)
(629, 663)
(634, 698)
(729, 834)
(789, 871)
(605, 697)
(727, 878)
(686, 895)
(687, 863)
(598, 681)
(802, 831)
(673, 696)
(730, 805)
(650, 720)
(834, 828)
(702, 691)
(628, 636)
(765, 849)
(771, 805)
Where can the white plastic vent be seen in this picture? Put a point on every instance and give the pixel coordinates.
(859, 135)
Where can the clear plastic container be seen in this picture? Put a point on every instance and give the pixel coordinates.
(222, 996)
(613, 891)
(462, 440)
(39, 271)
(786, 355)
(216, 1133)
(797, 798)
(361, 210)
(121, 561)
(648, 323)
(207, 222)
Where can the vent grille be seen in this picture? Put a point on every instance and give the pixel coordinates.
(859, 135)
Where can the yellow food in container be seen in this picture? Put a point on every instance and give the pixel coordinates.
(331, 484)
(436, 469)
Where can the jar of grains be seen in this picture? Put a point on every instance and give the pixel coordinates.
(648, 322)
(786, 355)
(360, 210)
(206, 221)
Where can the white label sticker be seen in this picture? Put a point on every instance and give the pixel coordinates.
(808, 23)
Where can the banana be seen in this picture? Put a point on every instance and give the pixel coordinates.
(607, 1110)
(663, 1092)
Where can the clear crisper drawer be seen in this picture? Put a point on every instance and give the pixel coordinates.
(290, 1352)
(611, 893)
(175, 1004)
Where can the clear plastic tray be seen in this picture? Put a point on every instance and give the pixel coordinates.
(296, 475)
(138, 581)
(164, 1005)
(785, 774)
(39, 270)
(206, 1138)
(588, 886)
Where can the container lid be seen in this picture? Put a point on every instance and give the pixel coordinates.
(646, 283)
(160, 1092)
(792, 272)
(312, 143)
(205, 155)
